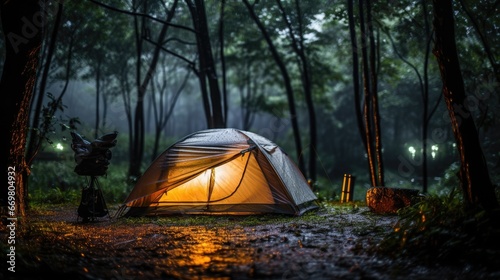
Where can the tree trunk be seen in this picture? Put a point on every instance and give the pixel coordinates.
(212, 98)
(374, 97)
(475, 181)
(23, 38)
(299, 49)
(125, 90)
(425, 96)
(210, 72)
(97, 96)
(134, 169)
(367, 108)
(355, 71)
(223, 59)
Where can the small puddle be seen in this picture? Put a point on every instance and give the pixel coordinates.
(196, 250)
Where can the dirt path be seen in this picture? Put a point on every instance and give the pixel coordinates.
(327, 244)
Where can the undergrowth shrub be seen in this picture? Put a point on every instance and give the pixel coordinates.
(438, 229)
(55, 182)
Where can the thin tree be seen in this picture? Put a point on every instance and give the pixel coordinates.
(355, 70)
(374, 68)
(163, 105)
(286, 80)
(423, 81)
(427, 114)
(223, 57)
(136, 115)
(478, 190)
(39, 130)
(97, 72)
(212, 96)
(250, 89)
(142, 83)
(367, 109)
(299, 48)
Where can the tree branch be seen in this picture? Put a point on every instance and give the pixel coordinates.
(142, 15)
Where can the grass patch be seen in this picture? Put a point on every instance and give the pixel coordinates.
(317, 216)
(217, 220)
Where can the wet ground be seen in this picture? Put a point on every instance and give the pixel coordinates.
(330, 243)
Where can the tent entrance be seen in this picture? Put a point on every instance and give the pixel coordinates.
(211, 183)
(237, 181)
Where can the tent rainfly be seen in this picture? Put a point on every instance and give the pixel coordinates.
(220, 171)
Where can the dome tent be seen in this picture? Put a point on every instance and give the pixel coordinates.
(220, 171)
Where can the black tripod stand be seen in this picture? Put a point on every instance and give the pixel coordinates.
(92, 160)
(92, 205)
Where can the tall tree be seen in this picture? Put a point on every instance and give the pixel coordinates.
(367, 108)
(143, 34)
(22, 27)
(427, 114)
(164, 96)
(423, 78)
(286, 80)
(478, 190)
(370, 126)
(102, 44)
(223, 57)
(355, 69)
(213, 99)
(142, 83)
(298, 46)
(374, 61)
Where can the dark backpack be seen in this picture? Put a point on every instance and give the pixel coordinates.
(92, 204)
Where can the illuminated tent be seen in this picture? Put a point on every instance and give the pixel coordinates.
(220, 171)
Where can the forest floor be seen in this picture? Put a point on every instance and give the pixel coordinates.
(329, 243)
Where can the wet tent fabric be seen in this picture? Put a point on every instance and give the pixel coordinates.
(225, 171)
